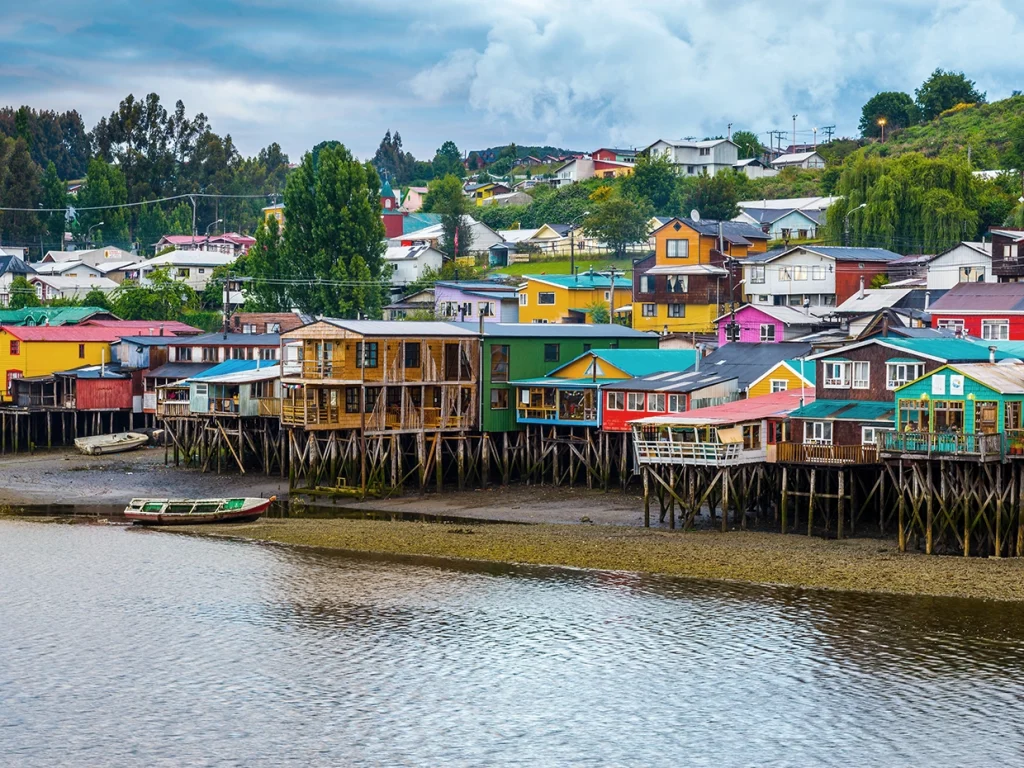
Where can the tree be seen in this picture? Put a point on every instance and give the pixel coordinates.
(448, 161)
(23, 294)
(897, 108)
(617, 221)
(943, 90)
(445, 196)
(654, 180)
(748, 143)
(265, 263)
(104, 186)
(19, 188)
(391, 162)
(162, 299)
(714, 197)
(96, 298)
(599, 313)
(54, 196)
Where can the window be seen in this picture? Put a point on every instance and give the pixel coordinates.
(649, 310)
(202, 271)
(768, 332)
(913, 415)
(237, 353)
(607, 294)
(799, 273)
(705, 151)
(656, 402)
(466, 308)
(690, 169)
(635, 401)
(796, 300)
(955, 324)
(1012, 419)
(209, 354)
(677, 283)
(869, 435)
(268, 353)
(757, 275)
(249, 328)
(785, 273)
(995, 330)
(15, 347)
(779, 385)
(646, 283)
(732, 332)
(949, 415)
(817, 273)
(972, 275)
(523, 299)
(762, 298)
(273, 327)
(861, 375)
(351, 399)
(677, 249)
(183, 272)
(202, 390)
(486, 308)
(11, 376)
(81, 351)
(546, 297)
(616, 401)
(552, 353)
(898, 374)
(676, 403)
(367, 359)
(818, 432)
(499, 399)
(499, 362)
(677, 310)
(837, 374)
(412, 354)
(370, 398)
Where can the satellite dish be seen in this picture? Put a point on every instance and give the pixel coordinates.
(695, 215)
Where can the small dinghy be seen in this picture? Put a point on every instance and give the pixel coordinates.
(195, 511)
(116, 443)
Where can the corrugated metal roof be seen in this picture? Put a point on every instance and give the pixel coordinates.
(692, 269)
(641, 362)
(839, 253)
(583, 281)
(787, 315)
(53, 315)
(738, 411)
(557, 330)
(408, 328)
(1005, 378)
(846, 410)
(178, 371)
(239, 372)
(228, 340)
(554, 381)
(873, 300)
(981, 298)
(146, 327)
(80, 333)
(942, 349)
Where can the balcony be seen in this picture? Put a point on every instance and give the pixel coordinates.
(943, 445)
(825, 454)
(172, 408)
(224, 406)
(269, 407)
(699, 454)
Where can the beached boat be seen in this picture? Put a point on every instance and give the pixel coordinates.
(116, 443)
(195, 511)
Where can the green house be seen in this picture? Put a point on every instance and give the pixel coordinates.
(517, 351)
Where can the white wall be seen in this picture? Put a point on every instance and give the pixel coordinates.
(944, 270)
(774, 285)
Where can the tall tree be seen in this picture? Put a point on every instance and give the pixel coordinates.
(104, 187)
(445, 196)
(19, 188)
(714, 197)
(654, 180)
(617, 221)
(54, 196)
(23, 294)
(896, 108)
(448, 160)
(265, 263)
(943, 90)
(748, 143)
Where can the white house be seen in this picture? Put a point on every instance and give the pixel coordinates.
(790, 203)
(483, 237)
(799, 160)
(93, 256)
(10, 268)
(194, 268)
(963, 263)
(783, 224)
(754, 168)
(693, 158)
(74, 269)
(407, 263)
(50, 287)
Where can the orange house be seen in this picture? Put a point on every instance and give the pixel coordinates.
(684, 284)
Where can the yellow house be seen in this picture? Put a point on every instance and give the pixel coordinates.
(42, 350)
(275, 211)
(481, 192)
(568, 298)
(683, 285)
(783, 377)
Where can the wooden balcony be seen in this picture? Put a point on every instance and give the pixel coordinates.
(943, 445)
(825, 454)
(172, 408)
(698, 454)
(224, 406)
(269, 407)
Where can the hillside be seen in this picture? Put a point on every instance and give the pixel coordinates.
(984, 127)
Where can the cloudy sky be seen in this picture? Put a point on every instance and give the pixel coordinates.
(575, 73)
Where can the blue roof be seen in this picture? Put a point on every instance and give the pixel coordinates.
(809, 370)
(417, 221)
(840, 253)
(847, 410)
(233, 366)
(640, 362)
(584, 280)
(950, 350)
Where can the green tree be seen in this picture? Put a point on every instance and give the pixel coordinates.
(714, 197)
(54, 196)
(448, 161)
(617, 221)
(23, 294)
(943, 90)
(104, 186)
(96, 298)
(265, 263)
(19, 188)
(333, 216)
(599, 313)
(445, 196)
(654, 180)
(895, 107)
(748, 143)
(161, 299)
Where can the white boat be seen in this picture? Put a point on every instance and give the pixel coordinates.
(116, 443)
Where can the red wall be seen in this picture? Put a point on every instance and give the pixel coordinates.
(972, 323)
(393, 224)
(604, 155)
(848, 277)
(618, 421)
(103, 394)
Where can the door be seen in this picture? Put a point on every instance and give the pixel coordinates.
(986, 417)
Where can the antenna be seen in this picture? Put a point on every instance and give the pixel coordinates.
(695, 216)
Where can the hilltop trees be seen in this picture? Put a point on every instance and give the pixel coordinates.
(391, 162)
(19, 188)
(654, 179)
(898, 110)
(748, 143)
(104, 186)
(448, 161)
(943, 90)
(714, 197)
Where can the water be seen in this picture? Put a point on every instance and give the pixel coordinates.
(129, 647)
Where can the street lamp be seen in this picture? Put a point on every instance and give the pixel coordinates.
(572, 242)
(206, 237)
(882, 121)
(846, 222)
(88, 232)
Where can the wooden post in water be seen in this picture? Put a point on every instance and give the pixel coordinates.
(647, 497)
(839, 503)
(929, 512)
(725, 500)
(810, 505)
(785, 497)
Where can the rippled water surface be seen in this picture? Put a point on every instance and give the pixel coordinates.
(127, 647)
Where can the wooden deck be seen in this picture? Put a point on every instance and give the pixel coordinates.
(823, 454)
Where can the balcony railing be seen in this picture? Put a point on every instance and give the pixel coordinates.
(703, 454)
(822, 453)
(269, 406)
(224, 406)
(173, 408)
(985, 447)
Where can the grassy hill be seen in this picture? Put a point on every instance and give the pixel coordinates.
(983, 127)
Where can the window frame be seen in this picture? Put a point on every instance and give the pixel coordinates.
(673, 245)
(832, 382)
(496, 394)
(15, 347)
(417, 356)
(524, 299)
(541, 295)
(1001, 323)
(773, 385)
(495, 350)
(648, 309)
(676, 403)
(616, 401)
(814, 439)
(676, 310)
(557, 351)
(367, 354)
(635, 401)
(757, 274)
(656, 402)
(892, 384)
(865, 381)
(764, 336)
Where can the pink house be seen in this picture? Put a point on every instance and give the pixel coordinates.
(767, 323)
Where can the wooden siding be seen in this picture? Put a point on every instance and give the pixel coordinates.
(874, 354)
(780, 372)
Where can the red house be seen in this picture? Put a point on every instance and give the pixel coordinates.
(988, 311)
(614, 155)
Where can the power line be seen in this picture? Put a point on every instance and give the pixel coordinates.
(134, 205)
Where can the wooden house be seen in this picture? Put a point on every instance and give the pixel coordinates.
(767, 323)
(155, 381)
(43, 350)
(988, 311)
(89, 388)
(235, 389)
(379, 376)
(1008, 254)
(218, 347)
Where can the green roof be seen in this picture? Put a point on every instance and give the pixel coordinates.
(55, 315)
(846, 410)
(584, 280)
(809, 372)
(951, 350)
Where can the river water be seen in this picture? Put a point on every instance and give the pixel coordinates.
(129, 647)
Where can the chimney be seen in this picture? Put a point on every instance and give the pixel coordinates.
(860, 293)
(991, 354)
(807, 306)
(885, 326)
(696, 362)
(152, 331)
(927, 300)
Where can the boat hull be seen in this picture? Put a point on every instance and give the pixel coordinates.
(118, 443)
(247, 514)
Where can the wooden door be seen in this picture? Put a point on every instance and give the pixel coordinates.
(986, 417)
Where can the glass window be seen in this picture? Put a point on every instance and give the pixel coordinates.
(767, 332)
(184, 354)
(499, 399)
(818, 432)
(677, 249)
(861, 375)
(369, 359)
(656, 402)
(995, 330)
(898, 374)
(913, 415)
(499, 362)
(1012, 418)
(646, 283)
(972, 275)
(779, 385)
(15, 347)
(949, 415)
(351, 399)
(635, 401)
(757, 274)
(951, 324)
(546, 297)
(785, 273)
(837, 375)
(370, 398)
(677, 283)
(209, 354)
(869, 435)
(616, 401)
(817, 273)
(799, 273)
(268, 353)
(649, 310)
(273, 327)
(552, 353)
(523, 298)
(81, 351)
(486, 308)
(412, 354)
(677, 310)
(676, 403)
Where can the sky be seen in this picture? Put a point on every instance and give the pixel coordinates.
(580, 74)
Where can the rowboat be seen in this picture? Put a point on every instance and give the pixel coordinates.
(115, 443)
(195, 511)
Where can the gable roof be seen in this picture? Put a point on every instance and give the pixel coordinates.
(794, 366)
(771, 215)
(582, 281)
(46, 333)
(221, 339)
(736, 232)
(789, 203)
(794, 157)
(409, 252)
(561, 230)
(847, 410)
(784, 314)
(14, 265)
(873, 300)
(981, 298)
(1006, 378)
(691, 144)
(52, 315)
(942, 350)
(738, 411)
(839, 253)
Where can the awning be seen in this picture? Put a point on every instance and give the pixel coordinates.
(687, 269)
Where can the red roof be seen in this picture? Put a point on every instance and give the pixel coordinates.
(62, 333)
(741, 411)
(147, 327)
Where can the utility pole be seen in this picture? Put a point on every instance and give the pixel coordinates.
(828, 130)
(728, 134)
(227, 296)
(794, 131)
(612, 273)
(815, 139)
